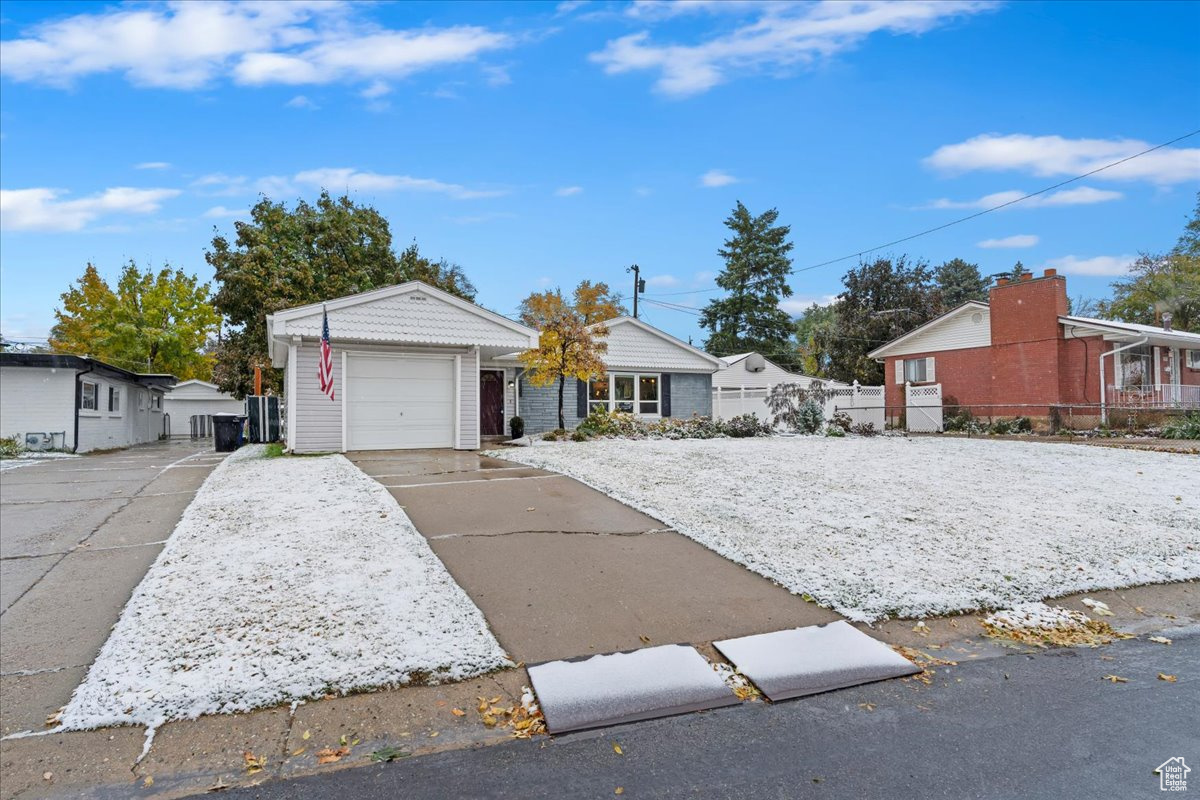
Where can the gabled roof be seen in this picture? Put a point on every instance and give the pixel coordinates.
(663, 335)
(87, 364)
(197, 382)
(394, 315)
(1131, 330)
(970, 305)
(731, 360)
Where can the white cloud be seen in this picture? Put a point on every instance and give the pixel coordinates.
(663, 281)
(218, 184)
(782, 37)
(339, 179)
(187, 45)
(798, 305)
(41, 209)
(300, 101)
(495, 75)
(221, 212)
(1018, 240)
(1055, 156)
(1080, 196)
(376, 89)
(152, 165)
(1097, 265)
(568, 191)
(715, 178)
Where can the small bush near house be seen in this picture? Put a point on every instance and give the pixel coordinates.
(962, 421)
(864, 429)
(555, 435)
(1186, 428)
(578, 436)
(273, 450)
(842, 421)
(792, 406)
(745, 426)
(10, 447)
(516, 426)
(835, 431)
(1005, 427)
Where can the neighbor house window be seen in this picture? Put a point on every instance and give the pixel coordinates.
(155, 402)
(630, 393)
(88, 397)
(1135, 367)
(114, 400)
(141, 399)
(1193, 359)
(915, 370)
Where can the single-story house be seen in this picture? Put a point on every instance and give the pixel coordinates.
(1022, 353)
(197, 398)
(416, 367)
(77, 403)
(754, 370)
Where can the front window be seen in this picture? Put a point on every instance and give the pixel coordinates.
(155, 402)
(1193, 359)
(915, 370)
(626, 392)
(1135, 367)
(88, 396)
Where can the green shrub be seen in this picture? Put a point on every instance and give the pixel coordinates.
(864, 429)
(1184, 428)
(835, 431)
(516, 426)
(962, 421)
(11, 447)
(745, 426)
(842, 421)
(554, 435)
(578, 436)
(1004, 427)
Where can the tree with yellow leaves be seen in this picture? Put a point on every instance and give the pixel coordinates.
(568, 346)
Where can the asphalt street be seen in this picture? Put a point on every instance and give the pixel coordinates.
(1046, 724)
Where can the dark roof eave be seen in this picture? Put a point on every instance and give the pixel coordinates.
(86, 364)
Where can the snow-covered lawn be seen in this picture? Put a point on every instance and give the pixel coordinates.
(890, 526)
(286, 578)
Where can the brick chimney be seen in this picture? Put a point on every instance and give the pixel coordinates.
(1028, 310)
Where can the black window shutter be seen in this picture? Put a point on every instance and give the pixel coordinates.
(666, 394)
(581, 396)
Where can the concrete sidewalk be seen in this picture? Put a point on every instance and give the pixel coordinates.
(562, 570)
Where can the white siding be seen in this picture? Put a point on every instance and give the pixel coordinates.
(37, 400)
(318, 421)
(135, 423)
(737, 375)
(182, 409)
(970, 327)
(630, 347)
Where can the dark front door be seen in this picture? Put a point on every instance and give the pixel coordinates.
(491, 402)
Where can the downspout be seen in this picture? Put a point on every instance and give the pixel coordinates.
(1103, 387)
(78, 400)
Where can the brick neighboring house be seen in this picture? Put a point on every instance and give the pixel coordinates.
(1023, 348)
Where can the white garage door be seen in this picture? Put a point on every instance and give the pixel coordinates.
(399, 402)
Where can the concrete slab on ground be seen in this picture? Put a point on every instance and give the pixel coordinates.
(392, 463)
(141, 521)
(66, 617)
(548, 596)
(79, 764)
(505, 474)
(501, 508)
(18, 574)
(44, 528)
(28, 700)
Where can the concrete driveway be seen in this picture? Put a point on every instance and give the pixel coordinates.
(562, 570)
(76, 536)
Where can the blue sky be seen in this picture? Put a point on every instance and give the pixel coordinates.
(539, 144)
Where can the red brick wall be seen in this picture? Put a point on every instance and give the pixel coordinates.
(1026, 340)
(965, 376)
(1187, 377)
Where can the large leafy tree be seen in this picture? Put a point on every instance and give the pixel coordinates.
(284, 257)
(568, 347)
(883, 299)
(959, 282)
(595, 302)
(755, 275)
(152, 322)
(815, 330)
(1158, 284)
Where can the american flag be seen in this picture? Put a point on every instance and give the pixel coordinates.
(325, 368)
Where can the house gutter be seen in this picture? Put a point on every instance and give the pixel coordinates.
(79, 399)
(1103, 380)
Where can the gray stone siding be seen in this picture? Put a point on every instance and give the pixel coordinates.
(691, 394)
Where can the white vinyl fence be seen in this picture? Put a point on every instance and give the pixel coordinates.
(863, 403)
(923, 408)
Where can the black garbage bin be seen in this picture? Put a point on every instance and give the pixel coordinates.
(227, 431)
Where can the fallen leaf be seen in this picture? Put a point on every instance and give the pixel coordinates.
(148, 782)
(867, 706)
(617, 749)
(386, 754)
(483, 705)
(1160, 639)
(619, 790)
(433, 735)
(329, 755)
(645, 639)
(299, 751)
(306, 735)
(1115, 679)
(489, 720)
(253, 763)
(47, 776)
(458, 712)
(531, 508)
(1162, 676)
(921, 629)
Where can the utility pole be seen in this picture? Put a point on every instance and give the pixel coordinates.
(639, 285)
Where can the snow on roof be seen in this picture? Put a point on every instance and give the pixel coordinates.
(731, 360)
(1132, 327)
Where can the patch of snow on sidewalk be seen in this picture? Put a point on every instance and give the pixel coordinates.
(286, 578)
(892, 526)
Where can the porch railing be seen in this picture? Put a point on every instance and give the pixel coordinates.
(1159, 395)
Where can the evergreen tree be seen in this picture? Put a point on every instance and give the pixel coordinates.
(755, 277)
(814, 331)
(960, 281)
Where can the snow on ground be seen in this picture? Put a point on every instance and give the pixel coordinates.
(286, 578)
(893, 526)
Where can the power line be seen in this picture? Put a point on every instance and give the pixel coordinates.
(967, 218)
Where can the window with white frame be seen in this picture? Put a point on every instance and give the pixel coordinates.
(1193, 359)
(916, 370)
(155, 401)
(632, 393)
(114, 400)
(88, 395)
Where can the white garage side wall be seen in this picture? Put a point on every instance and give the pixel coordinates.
(102, 429)
(37, 400)
(182, 410)
(468, 394)
(738, 375)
